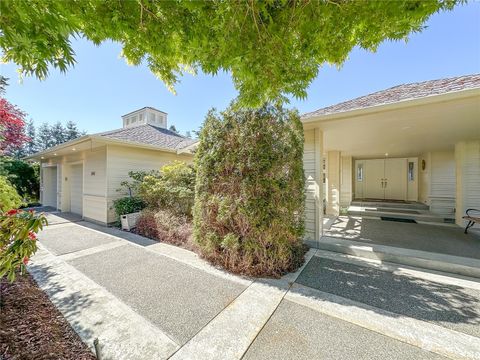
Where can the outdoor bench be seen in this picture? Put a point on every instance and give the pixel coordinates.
(469, 216)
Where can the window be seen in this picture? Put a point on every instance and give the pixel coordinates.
(360, 172)
(151, 118)
(140, 117)
(411, 171)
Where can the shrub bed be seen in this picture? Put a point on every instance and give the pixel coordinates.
(249, 195)
(166, 226)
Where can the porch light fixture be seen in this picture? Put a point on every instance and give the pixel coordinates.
(73, 149)
(42, 157)
(386, 154)
(55, 154)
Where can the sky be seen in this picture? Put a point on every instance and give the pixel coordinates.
(102, 87)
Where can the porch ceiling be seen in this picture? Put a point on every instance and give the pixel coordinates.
(406, 130)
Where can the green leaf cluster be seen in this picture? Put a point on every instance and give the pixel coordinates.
(25, 177)
(9, 198)
(128, 205)
(249, 202)
(271, 48)
(18, 240)
(173, 188)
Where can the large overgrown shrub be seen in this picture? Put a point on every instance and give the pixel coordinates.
(249, 202)
(166, 226)
(173, 188)
(9, 198)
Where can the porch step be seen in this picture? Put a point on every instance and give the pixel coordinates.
(413, 205)
(421, 259)
(398, 213)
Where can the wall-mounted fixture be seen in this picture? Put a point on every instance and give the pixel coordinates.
(92, 173)
(423, 164)
(66, 178)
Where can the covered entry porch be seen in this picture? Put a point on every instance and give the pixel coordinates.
(398, 174)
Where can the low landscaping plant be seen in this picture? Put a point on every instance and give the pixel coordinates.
(9, 197)
(173, 188)
(128, 205)
(166, 226)
(18, 240)
(249, 195)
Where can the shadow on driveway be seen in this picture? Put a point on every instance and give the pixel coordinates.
(449, 306)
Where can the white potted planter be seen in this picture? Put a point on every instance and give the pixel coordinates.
(129, 221)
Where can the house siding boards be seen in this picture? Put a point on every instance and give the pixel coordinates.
(94, 188)
(121, 160)
(312, 165)
(309, 162)
(467, 156)
(442, 186)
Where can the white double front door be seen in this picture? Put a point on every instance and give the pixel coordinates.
(385, 179)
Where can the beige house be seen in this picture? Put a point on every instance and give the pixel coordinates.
(82, 176)
(414, 143)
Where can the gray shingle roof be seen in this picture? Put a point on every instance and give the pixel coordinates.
(150, 135)
(401, 93)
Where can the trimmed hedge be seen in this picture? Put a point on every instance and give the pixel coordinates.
(249, 194)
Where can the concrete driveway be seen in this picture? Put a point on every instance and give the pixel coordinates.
(148, 300)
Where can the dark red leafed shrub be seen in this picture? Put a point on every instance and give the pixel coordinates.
(146, 225)
(166, 226)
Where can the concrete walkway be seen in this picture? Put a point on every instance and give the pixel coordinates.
(148, 300)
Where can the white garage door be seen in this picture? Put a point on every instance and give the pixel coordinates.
(49, 184)
(76, 189)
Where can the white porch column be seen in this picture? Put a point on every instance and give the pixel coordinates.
(319, 180)
(313, 167)
(333, 183)
(467, 160)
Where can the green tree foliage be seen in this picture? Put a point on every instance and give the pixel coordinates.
(272, 48)
(22, 175)
(3, 84)
(47, 136)
(173, 188)
(9, 198)
(249, 194)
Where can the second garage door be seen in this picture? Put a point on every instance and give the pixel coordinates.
(76, 189)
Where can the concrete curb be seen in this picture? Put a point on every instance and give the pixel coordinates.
(424, 335)
(422, 259)
(95, 313)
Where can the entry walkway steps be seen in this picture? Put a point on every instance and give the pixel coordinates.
(422, 259)
(397, 210)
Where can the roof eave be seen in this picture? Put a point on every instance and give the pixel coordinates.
(188, 149)
(394, 106)
(58, 147)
